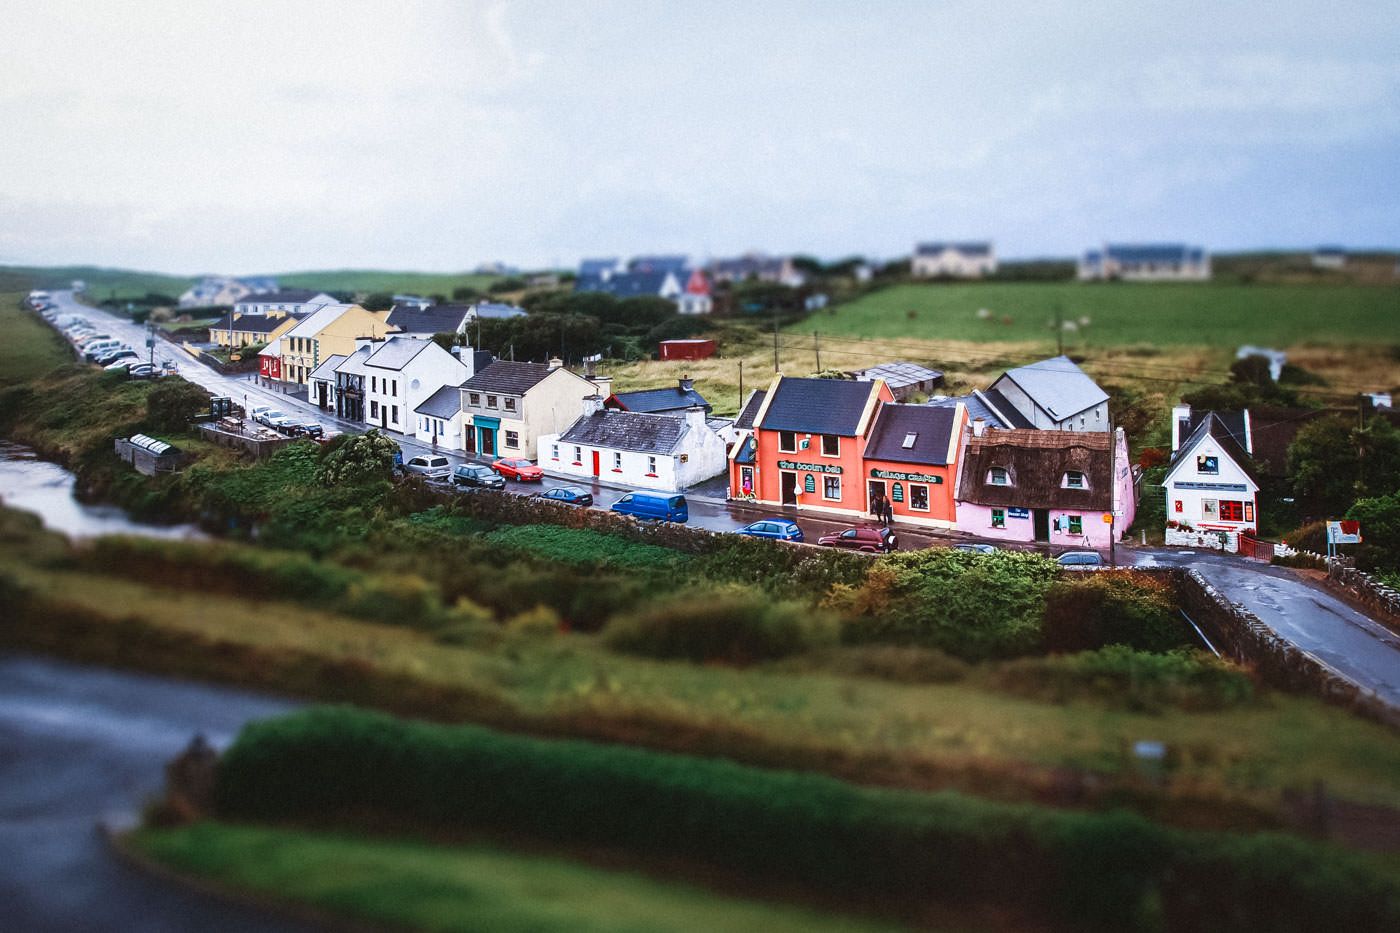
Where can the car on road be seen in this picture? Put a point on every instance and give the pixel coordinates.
(973, 547)
(302, 428)
(518, 468)
(142, 371)
(273, 418)
(114, 354)
(432, 466)
(1080, 560)
(568, 495)
(122, 362)
(869, 538)
(477, 476)
(653, 506)
(778, 529)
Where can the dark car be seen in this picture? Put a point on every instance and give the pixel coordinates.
(1080, 560)
(305, 429)
(779, 529)
(862, 538)
(974, 548)
(568, 495)
(477, 475)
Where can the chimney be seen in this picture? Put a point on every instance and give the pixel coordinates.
(604, 385)
(687, 383)
(362, 342)
(555, 362)
(979, 427)
(1180, 415)
(695, 418)
(592, 404)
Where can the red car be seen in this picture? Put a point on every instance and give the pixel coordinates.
(862, 538)
(516, 469)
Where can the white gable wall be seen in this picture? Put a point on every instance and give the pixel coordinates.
(1194, 496)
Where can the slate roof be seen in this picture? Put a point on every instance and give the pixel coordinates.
(1215, 427)
(326, 370)
(508, 377)
(930, 428)
(750, 410)
(671, 398)
(676, 264)
(626, 284)
(986, 405)
(438, 319)
(596, 267)
(1057, 386)
(318, 320)
(1153, 252)
(966, 248)
(900, 375)
(748, 450)
(286, 296)
(495, 312)
(1037, 462)
(627, 430)
(819, 406)
(1231, 421)
(444, 403)
(354, 364)
(396, 352)
(251, 323)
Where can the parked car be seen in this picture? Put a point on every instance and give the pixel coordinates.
(653, 506)
(433, 466)
(123, 361)
(142, 371)
(1080, 560)
(300, 428)
(518, 469)
(91, 351)
(273, 418)
(973, 547)
(862, 538)
(478, 476)
(569, 495)
(779, 529)
(112, 355)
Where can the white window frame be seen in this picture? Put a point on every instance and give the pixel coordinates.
(992, 476)
(617, 461)
(787, 450)
(508, 442)
(827, 478)
(554, 451)
(928, 502)
(651, 465)
(834, 437)
(578, 455)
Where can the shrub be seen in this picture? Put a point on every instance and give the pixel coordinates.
(906, 664)
(584, 547)
(401, 599)
(358, 458)
(1137, 680)
(1118, 608)
(720, 624)
(1304, 560)
(173, 403)
(1309, 537)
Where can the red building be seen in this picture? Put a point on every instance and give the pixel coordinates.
(686, 349)
(911, 460)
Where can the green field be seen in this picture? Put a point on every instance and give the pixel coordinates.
(1123, 313)
(418, 885)
(372, 280)
(30, 347)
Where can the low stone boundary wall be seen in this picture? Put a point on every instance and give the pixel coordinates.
(259, 447)
(1382, 600)
(1227, 541)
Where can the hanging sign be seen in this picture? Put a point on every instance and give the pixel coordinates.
(809, 483)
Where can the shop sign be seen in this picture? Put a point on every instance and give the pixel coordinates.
(809, 483)
(907, 477)
(1018, 513)
(814, 467)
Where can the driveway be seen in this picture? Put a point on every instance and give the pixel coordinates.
(1301, 611)
(79, 744)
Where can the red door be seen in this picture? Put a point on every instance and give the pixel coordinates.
(597, 468)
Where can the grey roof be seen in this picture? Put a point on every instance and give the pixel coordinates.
(671, 398)
(750, 409)
(285, 296)
(508, 376)
(327, 368)
(926, 430)
(988, 405)
(900, 375)
(438, 319)
(252, 323)
(492, 311)
(354, 364)
(819, 406)
(596, 267)
(966, 248)
(627, 430)
(1214, 426)
(1001, 409)
(444, 403)
(676, 264)
(625, 284)
(1231, 421)
(1153, 252)
(396, 352)
(1060, 388)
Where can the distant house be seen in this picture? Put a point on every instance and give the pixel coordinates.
(1329, 257)
(1146, 262)
(1058, 487)
(417, 302)
(1212, 484)
(242, 330)
(968, 260)
(332, 329)
(1054, 395)
(904, 379)
(493, 311)
(757, 267)
(695, 299)
(218, 290)
(673, 400)
(648, 276)
(635, 449)
(286, 301)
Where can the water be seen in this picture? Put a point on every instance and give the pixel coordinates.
(46, 489)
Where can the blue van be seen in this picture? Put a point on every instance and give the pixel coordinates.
(651, 506)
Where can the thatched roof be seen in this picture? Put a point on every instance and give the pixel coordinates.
(1037, 462)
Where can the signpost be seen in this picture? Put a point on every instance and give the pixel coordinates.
(1343, 532)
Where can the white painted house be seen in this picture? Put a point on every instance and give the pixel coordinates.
(1211, 486)
(635, 449)
(1052, 395)
(954, 260)
(401, 374)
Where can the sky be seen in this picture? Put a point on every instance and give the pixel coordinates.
(196, 137)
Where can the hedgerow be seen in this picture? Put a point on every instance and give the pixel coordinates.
(1141, 681)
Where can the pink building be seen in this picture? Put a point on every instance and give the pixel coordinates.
(1063, 488)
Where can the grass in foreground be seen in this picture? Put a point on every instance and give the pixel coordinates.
(459, 888)
(30, 348)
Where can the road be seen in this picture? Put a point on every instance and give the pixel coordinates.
(81, 744)
(1301, 611)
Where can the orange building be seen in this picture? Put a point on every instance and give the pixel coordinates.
(911, 460)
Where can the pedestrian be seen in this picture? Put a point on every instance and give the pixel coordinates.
(877, 507)
(887, 512)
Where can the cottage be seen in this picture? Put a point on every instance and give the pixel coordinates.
(323, 383)
(911, 462)
(330, 330)
(506, 406)
(904, 379)
(219, 290)
(666, 277)
(270, 363)
(1147, 262)
(439, 418)
(244, 330)
(1329, 257)
(635, 449)
(1064, 488)
(403, 373)
(1212, 484)
(299, 301)
(673, 400)
(757, 267)
(1052, 395)
(1276, 359)
(972, 260)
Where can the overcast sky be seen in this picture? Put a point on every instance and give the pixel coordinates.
(193, 137)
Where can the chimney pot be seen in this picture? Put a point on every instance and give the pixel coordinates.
(979, 427)
(687, 383)
(555, 362)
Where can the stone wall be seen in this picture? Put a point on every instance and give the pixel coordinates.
(1227, 541)
(1382, 601)
(260, 446)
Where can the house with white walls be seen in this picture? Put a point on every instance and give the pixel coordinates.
(1212, 485)
(402, 373)
(635, 449)
(1052, 395)
(972, 260)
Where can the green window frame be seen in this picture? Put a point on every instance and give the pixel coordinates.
(998, 518)
(1076, 524)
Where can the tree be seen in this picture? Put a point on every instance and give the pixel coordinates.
(466, 293)
(501, 286)
(1332, 463)
(378, 301)
(172, 403)
(358, 458)
(1380, 529)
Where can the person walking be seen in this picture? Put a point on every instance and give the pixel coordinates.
(886, 512)
(877, 507)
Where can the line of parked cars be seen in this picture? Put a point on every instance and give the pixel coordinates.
(96, 347)
(283, 423)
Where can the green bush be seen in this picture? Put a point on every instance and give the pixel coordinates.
(1120, 608)
(1141, 681)
(906, 664)
(725, 623)
(584, 547)
(1310, 537)
(1305, 560)
(1086, 870)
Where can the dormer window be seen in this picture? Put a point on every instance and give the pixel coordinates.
(998, 476)
(1075, 480)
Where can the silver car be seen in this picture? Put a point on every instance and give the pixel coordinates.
(433, 466)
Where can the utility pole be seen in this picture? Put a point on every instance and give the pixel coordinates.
(817, 349)
(1059, 331)
(775, 340)
(741, 383)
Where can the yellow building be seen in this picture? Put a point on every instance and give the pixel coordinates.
(242, 330)
(328, 331)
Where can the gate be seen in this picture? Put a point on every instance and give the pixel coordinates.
(1253, 547)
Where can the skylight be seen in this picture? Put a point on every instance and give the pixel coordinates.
(909, 440)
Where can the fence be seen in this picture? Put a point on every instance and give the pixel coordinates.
(1253, 547)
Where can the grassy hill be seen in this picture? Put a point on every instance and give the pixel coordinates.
(376, 280)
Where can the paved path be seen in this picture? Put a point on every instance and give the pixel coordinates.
(1301, 611)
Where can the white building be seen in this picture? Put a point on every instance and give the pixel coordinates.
(1211, 485)
(1052, 395)
(289, 301)
(1146, 262)
(1329, 257)
(636, 450)
(401, 374)
(954, 260)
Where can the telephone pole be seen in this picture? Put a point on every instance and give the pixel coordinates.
(817, 349)
(775, 339)
(1059, 331)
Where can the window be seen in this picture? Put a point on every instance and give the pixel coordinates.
(1210, 509)
(474, 398)
(374, 383)
(910, 440)
(510, 404)
(918, 498)
(1076, 524)
(997, 476)
(831, 487)
(1208, 465)
(491, 402)
(617, 461)
(395, 389)
(831, 445)
(374, 409)
(1074, 480)
(512, 438)
(651, 466)
(394, 414)
(578, 455)
(787, 442)
(1249, 511)
(554, 451)
(998, 518)
(1231, 511)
